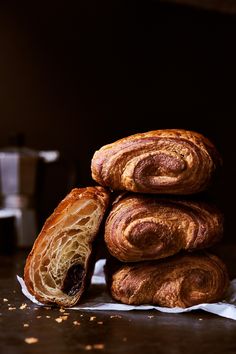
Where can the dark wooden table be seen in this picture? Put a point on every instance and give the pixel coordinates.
(107, 332)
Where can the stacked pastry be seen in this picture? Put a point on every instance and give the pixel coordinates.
(147, 232)
(150, 234)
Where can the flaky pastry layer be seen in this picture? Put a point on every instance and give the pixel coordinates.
(144, 227)
(179, 281)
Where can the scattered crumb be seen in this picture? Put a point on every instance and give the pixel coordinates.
(100, 322)
(8, 305)
(48, 316)
(115, 316)
(64, 318)
(76, 323)
(66, 313)
(38, 316)
(61, 318)
(5, 300)
(47, 308)
(11, 308)
(14, 291)
(200, 319)
(94, 346)
(26, 325)
(124, 339)
(62, 310)
(58, 320)
(88, 347)
(31, 340)
(92, 318)
(23, 306)
(36, 308)
(150, 316)
(81, 315)
(98, 346)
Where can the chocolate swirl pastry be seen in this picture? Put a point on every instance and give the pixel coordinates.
(60, 264)
(162, 161)
(179, 281)
(142, 227)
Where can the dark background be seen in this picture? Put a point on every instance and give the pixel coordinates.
(77, 75)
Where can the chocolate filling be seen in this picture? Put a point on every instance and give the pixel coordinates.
(73, 280)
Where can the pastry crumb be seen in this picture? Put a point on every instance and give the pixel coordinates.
(59, 320)
(62, 310)
(48, 316)
(23, 306)
(115, 316)
(11, 308)
(38, 316)
(98, 346)
(76, 323)
(100, 322)
(92, 318)
(5, 300)
(31, 340)
(25, 325)
(124, 339)
(150, 316)
(64, 318)
(94, 346)
(88, 347)
(200, 319)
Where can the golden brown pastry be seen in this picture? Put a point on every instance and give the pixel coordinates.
(144, 227)
(60, 264)
(179, 281)
(161, 161)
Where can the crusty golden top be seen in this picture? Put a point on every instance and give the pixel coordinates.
(161, 161)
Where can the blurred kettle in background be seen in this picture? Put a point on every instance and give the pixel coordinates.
(18, 183)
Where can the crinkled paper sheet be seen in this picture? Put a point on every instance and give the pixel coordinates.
(99, 299)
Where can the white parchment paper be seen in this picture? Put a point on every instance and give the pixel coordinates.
(99, 299)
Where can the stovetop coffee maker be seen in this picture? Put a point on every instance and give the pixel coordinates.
(18, 175)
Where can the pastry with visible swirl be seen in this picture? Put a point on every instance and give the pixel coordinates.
(179, 281)
(145, 227)
(161, 161)
(60, 264)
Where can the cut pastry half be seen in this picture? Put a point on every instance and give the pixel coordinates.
(60, 264)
